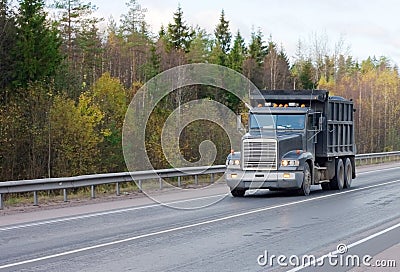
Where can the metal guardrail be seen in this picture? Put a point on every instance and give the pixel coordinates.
(370, 158)
(35, 185)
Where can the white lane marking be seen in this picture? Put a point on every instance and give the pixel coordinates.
(35, 224)
(336, 252)
(67, 219)
(377, 170)
(192, 225)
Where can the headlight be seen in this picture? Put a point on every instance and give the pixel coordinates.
(233, 162)
(290, 163)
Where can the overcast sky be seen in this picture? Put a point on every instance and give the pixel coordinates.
(369, 27)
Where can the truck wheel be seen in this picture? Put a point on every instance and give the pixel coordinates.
(238, 192)
(306, 185)
(337, 183)
(348, 173)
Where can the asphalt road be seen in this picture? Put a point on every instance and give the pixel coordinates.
(265, 231)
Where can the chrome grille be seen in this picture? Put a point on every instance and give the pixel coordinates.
(259, 154)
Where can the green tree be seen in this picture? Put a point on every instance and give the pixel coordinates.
(237, 54)
(306, 75)
(24, 129)
(257, 50)
(74, 136)
(109, 96)
(252, 65)
(91, 51)
(7, 43)
(37, 45)
(222, 41)
(133, 21)
(179, 35)
(200, 47)
(74, 15)
(152, 67)
(81, 45)
(222, 34)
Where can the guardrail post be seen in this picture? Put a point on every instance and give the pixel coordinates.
(196, 179)
(65, 195)
(140, 185)
(212, 178)
(1, 202)
(35, 198)
(179, 181)
(117, 188)
(92, 191)
(161, 183)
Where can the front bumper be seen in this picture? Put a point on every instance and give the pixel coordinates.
(239, 179)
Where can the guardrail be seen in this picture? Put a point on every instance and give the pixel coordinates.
(35, 185)
(370, 158)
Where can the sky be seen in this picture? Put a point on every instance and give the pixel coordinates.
(367, 27)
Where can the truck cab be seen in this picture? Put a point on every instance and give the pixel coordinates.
(286, 145)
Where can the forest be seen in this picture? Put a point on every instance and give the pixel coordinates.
(65, 84)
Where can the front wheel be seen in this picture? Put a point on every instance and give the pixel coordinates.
(238, 192)
(305, 188)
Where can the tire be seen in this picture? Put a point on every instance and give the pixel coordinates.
(348, 173)
(238, 192)
(337, 183)
(305, 188)
(325, 186)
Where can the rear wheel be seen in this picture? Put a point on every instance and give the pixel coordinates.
(348, 173)
(238, 192)
(306, 185)
(337, 183)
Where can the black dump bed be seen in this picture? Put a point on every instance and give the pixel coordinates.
(337, 135)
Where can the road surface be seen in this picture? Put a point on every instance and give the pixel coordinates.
(264, 231)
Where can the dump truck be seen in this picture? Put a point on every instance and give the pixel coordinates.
(294, 139)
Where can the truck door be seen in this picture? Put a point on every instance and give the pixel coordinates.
(311, 133)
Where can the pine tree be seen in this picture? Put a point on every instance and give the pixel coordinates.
(200, 47)
(257, 49)
(152, 67)
(90, 47)
(7, 42)
(237, 54)
(75, 15)
(222, 40)
(76, 21)
(306, 75)
(134, 22)
(179, 35)
(37, 44)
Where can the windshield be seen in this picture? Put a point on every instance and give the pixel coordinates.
(284, 121)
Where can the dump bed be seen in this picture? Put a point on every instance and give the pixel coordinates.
(337, 135)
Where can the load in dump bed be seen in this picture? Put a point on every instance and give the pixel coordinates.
(295, 139)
